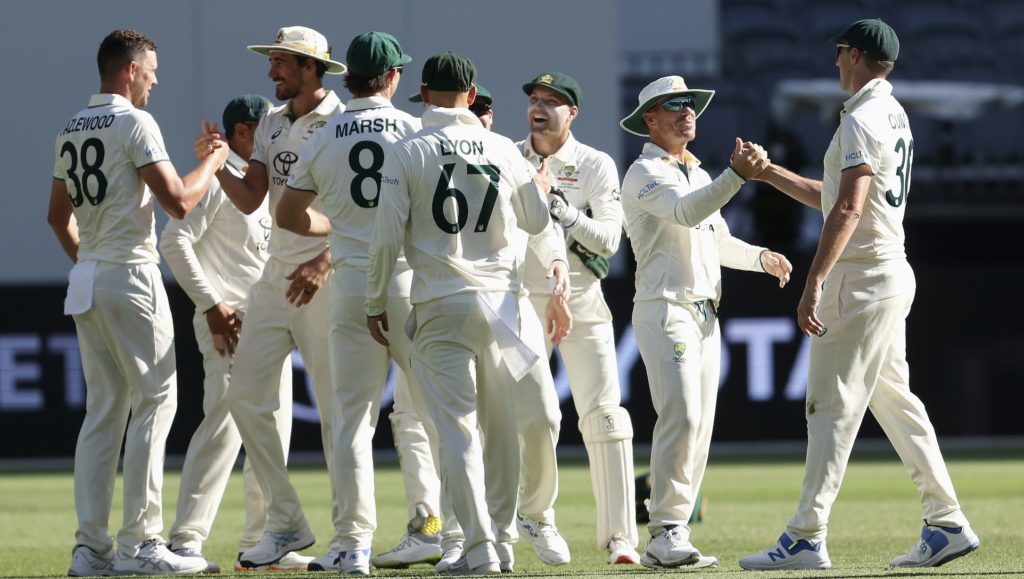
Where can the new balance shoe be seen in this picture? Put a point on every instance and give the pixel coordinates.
(194, 549)
(621, 552)
(938, 546)
(154, 558)
(506, 558)
(88, 563)
(413, 548)
(461, 567)
(668, 548)
(355, 562)
(789, 554)
(327, 561)
(273, 546)
(546, 541)
(449, 555)
(291, 561)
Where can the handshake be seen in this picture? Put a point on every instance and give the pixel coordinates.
(748, 159)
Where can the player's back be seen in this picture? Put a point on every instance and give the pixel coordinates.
(342, 163)
(98, 156)
(469, 189)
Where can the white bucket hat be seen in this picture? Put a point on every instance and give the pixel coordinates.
(665, 88)
(304, 42)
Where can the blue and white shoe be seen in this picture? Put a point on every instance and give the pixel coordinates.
(789, 554)
(938, 546)
(356, 562)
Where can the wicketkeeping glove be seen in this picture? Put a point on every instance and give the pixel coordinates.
(561, 210)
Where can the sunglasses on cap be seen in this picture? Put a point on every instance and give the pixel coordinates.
(679, 103)
(840, 47)
(480, 109)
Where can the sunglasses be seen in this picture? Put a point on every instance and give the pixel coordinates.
(840, 47)
(480, 109)
(679, 103)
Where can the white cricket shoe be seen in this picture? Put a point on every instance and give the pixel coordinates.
(461, 567)
(449, 555)
(291, 561)
(668, 549)
(938, 546)
(326, 562)
(154, 558)
(621, 552)
(273, 546)
(789, 554)
(194, 549)
(88, 563)
(354, 562)
(506, 558)
(549, 545)
(413, 548)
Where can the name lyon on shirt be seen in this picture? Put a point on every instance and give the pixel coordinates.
(450, 147)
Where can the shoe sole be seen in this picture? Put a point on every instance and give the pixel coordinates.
(946, 558)
(754, 567)
(626, 560)
(253, 564)
(654, 563)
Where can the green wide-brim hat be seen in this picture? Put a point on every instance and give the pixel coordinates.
(664, 88)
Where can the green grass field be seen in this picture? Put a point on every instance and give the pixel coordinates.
(875, 518)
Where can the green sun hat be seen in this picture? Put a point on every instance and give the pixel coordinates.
(660, 90)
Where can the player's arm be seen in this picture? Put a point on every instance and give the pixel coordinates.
(735, 253)
(839, 226)
(600, 232)
(61, 217)
(804, 190)
(529, 195)
(295, 214)
(549, 247)
(247, 192)
(389, 234)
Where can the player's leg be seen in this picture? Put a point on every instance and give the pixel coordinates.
(264, 345)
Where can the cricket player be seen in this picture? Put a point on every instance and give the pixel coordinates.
(217, 253)
(453, 194)
(854, 307)
(585, 202)
(285, 307)
(110, 164)
(349, 191)
(681, 242)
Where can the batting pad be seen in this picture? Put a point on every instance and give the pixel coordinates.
(608, 435)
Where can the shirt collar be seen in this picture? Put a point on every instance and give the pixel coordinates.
(564, 154)
(443, 117)
(370, 102)
(106, 98)
(874, 87)
(328, 105)
(652, 151)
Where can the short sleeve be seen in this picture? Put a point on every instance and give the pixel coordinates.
(856, 145)
(144, 144)
(260, 142)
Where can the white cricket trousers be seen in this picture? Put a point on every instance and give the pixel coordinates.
(680, 344)
(588, 354)
(214, 447)
(127, 344)
(471, 396)
(272, 328)
(417, 449)
(359, 366)
(861, 363)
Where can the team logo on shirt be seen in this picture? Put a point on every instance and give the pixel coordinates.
(312, 128)
(568, 170)
(283, 162)
(679, 348)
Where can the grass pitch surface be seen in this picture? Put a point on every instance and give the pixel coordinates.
(876, 517)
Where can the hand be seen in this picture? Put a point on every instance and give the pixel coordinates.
(543, 178)
(777, 265)
(557, 319)
(807, 310)
(561, 210)
(225, 327)
(210, 142)
(748, 159)
(377, 326)
(307, 279)
(559, 271)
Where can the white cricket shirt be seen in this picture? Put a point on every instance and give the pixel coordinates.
(677, 262)
(454, 194)
(278, 141)
(873, 131)
(217, 252)
(589, 179)
(98, 156)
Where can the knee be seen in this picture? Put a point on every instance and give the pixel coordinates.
(606, 424)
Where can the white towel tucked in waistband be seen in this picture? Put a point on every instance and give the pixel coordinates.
(80, 281)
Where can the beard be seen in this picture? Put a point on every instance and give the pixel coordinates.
(286, 92)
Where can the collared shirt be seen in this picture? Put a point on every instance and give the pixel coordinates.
(98, 156)
(342, 164)
(454, 194)
(676, 262)
(217, 252)
(278, 141)
(873, 131)
(589, 180)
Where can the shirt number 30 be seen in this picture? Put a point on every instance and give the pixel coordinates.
(906, 152)
(445, 190)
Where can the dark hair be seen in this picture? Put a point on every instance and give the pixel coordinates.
(119, 48)
(321, 67)
(361, 86)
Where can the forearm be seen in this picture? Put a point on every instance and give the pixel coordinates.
(697, 205)
(183, 262)
(836, 233)
(804, 190)
(599, 236)
(67, 236)
(246, 197)
(195, 184)
(549, 245)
